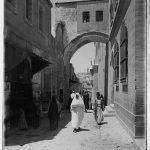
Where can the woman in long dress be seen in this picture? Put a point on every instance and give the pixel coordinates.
(77, 112)
(98, 114)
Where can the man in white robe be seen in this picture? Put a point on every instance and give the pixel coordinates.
(77, 112)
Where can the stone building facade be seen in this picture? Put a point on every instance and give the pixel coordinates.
(92, 16)
(80, 17)
(124, 59)
(127, 53)
(29, 48)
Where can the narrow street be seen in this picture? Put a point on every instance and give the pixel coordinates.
(108, 136)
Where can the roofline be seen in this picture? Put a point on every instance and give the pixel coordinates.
(70, 2)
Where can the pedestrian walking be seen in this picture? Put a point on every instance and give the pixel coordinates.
(98, 114)
(86, 100)
(102, 102)
(77, 112)
(53, 114)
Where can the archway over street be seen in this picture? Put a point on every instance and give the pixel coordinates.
(80, 41)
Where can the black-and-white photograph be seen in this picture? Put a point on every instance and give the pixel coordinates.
(75, 75)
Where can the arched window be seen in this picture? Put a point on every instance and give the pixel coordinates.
(116, 62)
(124, 56)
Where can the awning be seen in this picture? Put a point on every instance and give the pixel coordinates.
(14, 56)
(38, 63)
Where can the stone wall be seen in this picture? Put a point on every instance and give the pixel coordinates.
(140, 69)
(67, 14)
(125, 101)
(130, 105)
(17, 22)
(100, 60)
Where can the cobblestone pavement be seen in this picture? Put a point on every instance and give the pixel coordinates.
(108, 136)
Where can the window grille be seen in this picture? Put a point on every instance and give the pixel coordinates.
(12, 2)
(12, 5)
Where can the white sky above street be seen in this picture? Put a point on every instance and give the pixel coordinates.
(82, 57)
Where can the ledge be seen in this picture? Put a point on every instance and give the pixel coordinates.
(120, 14)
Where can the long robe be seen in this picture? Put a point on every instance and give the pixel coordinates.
(53, 114)
(77, 112)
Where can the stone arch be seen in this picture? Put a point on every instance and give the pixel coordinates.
(80, 41)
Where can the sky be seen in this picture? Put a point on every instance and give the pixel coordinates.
(82, 57)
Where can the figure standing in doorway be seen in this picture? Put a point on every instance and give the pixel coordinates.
(53, 113)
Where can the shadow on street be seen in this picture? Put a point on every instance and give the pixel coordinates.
(18, 137)
(82, 129)
(102, 123)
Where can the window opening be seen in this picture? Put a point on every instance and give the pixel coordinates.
(99, 16)
(86, 16)
(29, 10)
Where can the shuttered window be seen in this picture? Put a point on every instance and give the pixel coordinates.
(124, 56)
(116, 62)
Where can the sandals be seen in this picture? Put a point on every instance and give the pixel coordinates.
(76, 130)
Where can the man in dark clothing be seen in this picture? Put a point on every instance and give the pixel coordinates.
(86, 101)
(102, 102)
(53, 114)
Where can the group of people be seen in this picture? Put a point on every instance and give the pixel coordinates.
(78, 106)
